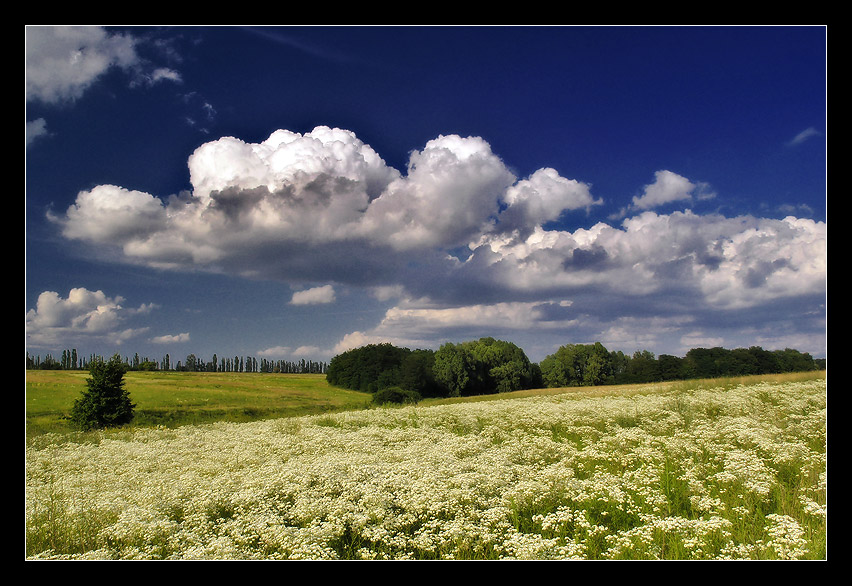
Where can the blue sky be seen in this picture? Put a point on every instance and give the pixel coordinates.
(291, 192)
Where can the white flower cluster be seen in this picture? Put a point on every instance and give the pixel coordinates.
(701, 473)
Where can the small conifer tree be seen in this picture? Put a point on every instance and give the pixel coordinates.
(106, 401)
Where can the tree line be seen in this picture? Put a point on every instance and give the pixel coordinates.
(71, 360)
(476, 367)
(488, 366)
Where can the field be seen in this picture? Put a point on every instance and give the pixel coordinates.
(723, 469)
(180, 398)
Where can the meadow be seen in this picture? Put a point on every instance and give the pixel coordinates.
(714, 469)
(173, 398)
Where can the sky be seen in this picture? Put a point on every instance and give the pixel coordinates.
(294, 192)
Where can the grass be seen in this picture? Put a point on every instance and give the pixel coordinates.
(173, 399)
(723, 469)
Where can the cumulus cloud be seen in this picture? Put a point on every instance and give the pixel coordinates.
(113, 215)
(451, 192)
(325, 192)
(544, 197)
(83, 314)
(722, 262)
(667, 188)
(457, 231)
(314, 296)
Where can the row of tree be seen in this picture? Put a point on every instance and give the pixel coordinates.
(479, 366)
(71, 360)
(487, 366)
(592, 364)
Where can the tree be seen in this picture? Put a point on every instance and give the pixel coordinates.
(577, 365)
(106, 401)
(368, 368)
(483, 366)
(671, 367)
(643, 367)
(452, 368)
(598, 365)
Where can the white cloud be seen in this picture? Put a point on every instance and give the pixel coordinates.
(420, 324)
(314, 296)
(157, 75)
(325, 206)
(698, 339)
(113, 215)
(804, 135)
(287, 352)
(668, 187)
(35, 129)
(388, 292)
(171, 338)
(640, 332)
(358, 339)
(293, 193)
(544, 197)
(451, 192)
(83, 314)
(512, 315)
(722, 262)
(62, 62)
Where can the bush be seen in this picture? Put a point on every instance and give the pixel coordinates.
(395, 395)
(105, 402)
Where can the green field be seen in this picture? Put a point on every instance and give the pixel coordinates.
(179, 398)
(712, 469)
(172, 399)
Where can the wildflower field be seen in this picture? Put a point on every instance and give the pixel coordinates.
(717, 470)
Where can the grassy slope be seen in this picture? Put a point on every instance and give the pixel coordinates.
(180, 398)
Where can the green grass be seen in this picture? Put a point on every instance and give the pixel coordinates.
(725, 469)
(172, 399)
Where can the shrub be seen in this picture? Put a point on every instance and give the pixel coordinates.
(395, 395)
(105, 402)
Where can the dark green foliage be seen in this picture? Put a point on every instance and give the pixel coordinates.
(416, 374)
(670, 367)
(483, 366)
(488, 366)
(578, 365)
(643, 367)
(105, 402)
(717, 362)
(395, 395)
(368, 368)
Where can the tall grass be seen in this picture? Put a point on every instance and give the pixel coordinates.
(690, 471)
